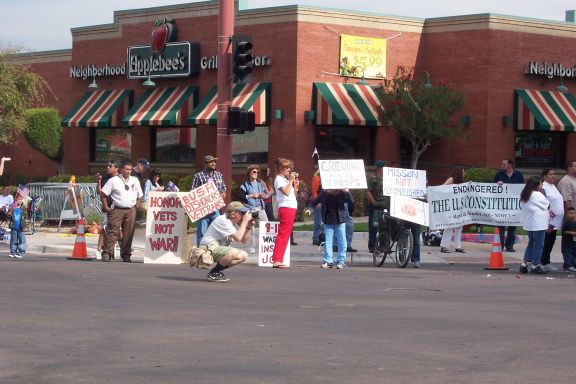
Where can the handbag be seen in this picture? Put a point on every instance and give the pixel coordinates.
(201, 257)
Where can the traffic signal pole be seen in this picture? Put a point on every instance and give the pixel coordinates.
(224, 98)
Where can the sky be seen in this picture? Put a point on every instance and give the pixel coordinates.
(42, 25)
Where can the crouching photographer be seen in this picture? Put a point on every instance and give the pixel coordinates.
(235, 225)
(254, 193)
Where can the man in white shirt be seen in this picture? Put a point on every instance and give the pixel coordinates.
(235, 225)
(6, 200)
(126, 194)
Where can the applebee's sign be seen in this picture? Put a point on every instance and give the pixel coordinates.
(163, 58)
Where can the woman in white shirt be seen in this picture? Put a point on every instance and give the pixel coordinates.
(556, 216)
(456, 177)
(286, 187)
(535, 218)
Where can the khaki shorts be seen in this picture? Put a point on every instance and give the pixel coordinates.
(218, 251)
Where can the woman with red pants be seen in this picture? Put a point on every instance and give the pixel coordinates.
(286, 186)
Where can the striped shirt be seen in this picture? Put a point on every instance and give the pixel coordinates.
(203, 177)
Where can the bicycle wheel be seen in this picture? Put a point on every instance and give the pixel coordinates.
(404, 247)
(381, 249)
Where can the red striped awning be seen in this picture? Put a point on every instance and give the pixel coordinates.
(100, 108)
(544, 110)
(345, 104)
(253, 97)
(163, 107)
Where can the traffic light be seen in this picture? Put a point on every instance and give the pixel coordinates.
(242, 58)
(240, 121)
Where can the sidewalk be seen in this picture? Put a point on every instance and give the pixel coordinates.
(51, 243)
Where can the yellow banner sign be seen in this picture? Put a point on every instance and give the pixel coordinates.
(362, 56)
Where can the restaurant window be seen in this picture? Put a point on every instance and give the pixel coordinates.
(175, 145)
(540, 149)
(251, 147)
(111, 143)
(346, 143)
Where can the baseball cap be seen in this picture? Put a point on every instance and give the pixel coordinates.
(209, 158)
(144, 162)
(380, 163)
(237, 206)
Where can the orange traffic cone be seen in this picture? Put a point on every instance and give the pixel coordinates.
(496, 258)
(80, 252)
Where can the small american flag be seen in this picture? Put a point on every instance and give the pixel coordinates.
(23, 190)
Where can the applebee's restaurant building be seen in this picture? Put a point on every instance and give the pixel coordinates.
(122, 93)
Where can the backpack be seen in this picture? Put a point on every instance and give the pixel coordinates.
(201, 257)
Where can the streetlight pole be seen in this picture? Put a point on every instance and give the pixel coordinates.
(224, 98)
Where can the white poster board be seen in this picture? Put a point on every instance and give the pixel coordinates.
(409, 209)
(456, 205)
(404, 182)
(341, 174)
(201, 201)
(165, 228)
(268, 231)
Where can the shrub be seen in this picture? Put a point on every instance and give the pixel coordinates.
(185, 183)
(480, 175)
(43, 131)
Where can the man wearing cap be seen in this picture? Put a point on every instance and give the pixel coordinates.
(235, 225)
(138, 170)
(376, 201)
(208, 173)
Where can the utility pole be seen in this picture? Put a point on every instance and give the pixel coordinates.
(224, 99)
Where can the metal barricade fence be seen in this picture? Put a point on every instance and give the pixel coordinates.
(54, 194)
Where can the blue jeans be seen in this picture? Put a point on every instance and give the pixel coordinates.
(317, 222)
(534, 248)
(510, 238)
(340, 231)
(568, 253)
(17, 241)
(203, 224)
(372, 229)
(349, 228)
(415, 229)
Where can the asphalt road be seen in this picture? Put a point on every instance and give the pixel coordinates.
(91, 322)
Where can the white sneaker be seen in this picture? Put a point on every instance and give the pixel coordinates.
(252, 250)
(326, 265)
(98, 255)
(17, 256)
(416, 264)
(549, 268)
(12, 255)
(570, 269)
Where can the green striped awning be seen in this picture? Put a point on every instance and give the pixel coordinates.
(100, 109)
(345, 104)
(163, 107)
(253, 97)
(544, 110)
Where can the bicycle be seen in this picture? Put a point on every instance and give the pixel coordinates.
(394, 238)
(34, 215)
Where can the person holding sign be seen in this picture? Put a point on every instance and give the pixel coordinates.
(208, 173)
(508, 175)
(376, 202)
(334, 215)
(286, 186)
(254, 192)
(535, 219)
(456, 177)
(235, 225)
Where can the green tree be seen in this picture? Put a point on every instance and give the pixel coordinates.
(20, 89)
(418, 111)
(43, 131)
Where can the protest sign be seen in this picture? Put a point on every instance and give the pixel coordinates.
(409, 209)
(267, 235)
(403, 182)
(201, 201)
(456, 205)
(165, 228)
(341, 174)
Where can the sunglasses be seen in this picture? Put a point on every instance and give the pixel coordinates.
(255, 171)
(126, 187)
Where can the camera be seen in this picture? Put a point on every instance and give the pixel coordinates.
(254, 211)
